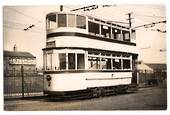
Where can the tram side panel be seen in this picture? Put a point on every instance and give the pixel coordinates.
(105, 79)
(82, 81)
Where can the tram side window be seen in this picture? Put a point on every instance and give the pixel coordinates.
(105, 31)
(126, 35)
(108, 64)
(71, 61)
(133, 34)
(126, 64)
(116, 63)
(51, 22)
(62, 21)
(81, 22)
(93, 63)
(103, 63)
(116, 34)
(80, 61)
(93, 28)
(71, 20)
(62, 60)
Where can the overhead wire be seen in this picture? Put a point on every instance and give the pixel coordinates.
(17, 28)
(16, 24)
(33, 18)
(92, 14)
(19, 12)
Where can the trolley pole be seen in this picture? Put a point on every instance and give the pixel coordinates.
(22, 75)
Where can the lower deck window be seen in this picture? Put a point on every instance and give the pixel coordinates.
(80, 61)
(48, 61)
(117, 64)
(93, 63)
(71, 61)
(126, 64)
(62, 60)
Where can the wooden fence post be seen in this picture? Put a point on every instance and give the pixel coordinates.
(22, 75)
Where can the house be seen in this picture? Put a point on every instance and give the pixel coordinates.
(14, 59)
(144, 68)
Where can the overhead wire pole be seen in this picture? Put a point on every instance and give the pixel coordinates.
(130, 19)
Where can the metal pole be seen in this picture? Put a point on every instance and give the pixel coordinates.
(145, 77)
(22, 75)
(130, 22)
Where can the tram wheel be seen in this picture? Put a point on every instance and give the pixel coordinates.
(97, 92)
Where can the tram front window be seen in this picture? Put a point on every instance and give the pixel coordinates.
(71, 20)
(62, 22)
(51, 22)
(81, 22)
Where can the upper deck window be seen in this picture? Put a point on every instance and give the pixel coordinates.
(133, 34)
(81, 22)
(116, 34)
(126, 35)
(62, 22)
(51, 21)
(71, 20)
(93, 28)
(105, 31)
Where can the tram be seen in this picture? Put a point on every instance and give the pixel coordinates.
(89, 55)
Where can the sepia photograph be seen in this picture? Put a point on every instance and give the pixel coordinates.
(84, 57)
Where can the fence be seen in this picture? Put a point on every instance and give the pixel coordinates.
(156, 78)
(22, 83)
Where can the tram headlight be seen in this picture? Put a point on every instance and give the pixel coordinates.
(48, 78)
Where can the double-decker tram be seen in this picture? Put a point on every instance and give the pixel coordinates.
(87, 55)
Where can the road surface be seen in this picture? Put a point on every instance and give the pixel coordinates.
(154, 98)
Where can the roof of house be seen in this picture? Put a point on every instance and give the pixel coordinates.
(157, 66)
(143, 66)
(18, 54)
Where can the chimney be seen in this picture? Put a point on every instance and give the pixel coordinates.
(15, 48)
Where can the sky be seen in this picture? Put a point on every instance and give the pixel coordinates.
(149, 42)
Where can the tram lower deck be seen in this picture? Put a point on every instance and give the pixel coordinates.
(71, 70)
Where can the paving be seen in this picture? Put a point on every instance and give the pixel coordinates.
(153, 98)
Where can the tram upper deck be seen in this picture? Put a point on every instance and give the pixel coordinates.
(101, 34)
(62, 22)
